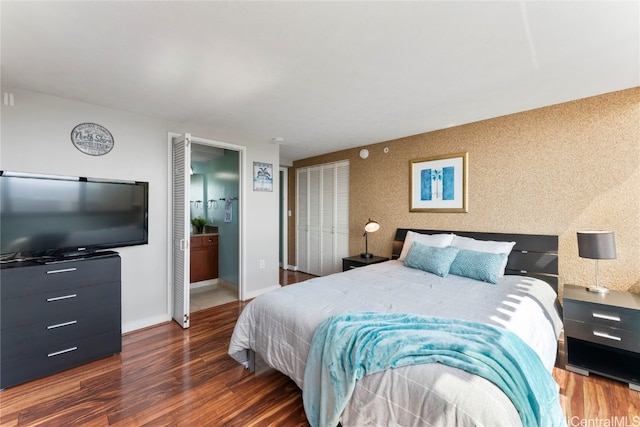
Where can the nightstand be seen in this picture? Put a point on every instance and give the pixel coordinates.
(357, 261)
(602, 334)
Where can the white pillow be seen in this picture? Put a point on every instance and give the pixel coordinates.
(435, 240)
(485, 246)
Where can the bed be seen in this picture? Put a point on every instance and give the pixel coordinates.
(279, 326)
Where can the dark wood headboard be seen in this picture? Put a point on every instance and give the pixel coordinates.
(534, 255)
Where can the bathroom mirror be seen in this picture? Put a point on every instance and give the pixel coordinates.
(196, 196)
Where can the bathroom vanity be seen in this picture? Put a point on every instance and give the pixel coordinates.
(204, 257)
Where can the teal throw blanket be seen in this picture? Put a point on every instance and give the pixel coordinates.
(348, 346)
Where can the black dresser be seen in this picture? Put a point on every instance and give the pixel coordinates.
(54, 316)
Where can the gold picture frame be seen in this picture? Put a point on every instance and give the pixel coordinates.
(439, 184)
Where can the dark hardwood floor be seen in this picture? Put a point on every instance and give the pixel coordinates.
(289, 277)
(167, 376)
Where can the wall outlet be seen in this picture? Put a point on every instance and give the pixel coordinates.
(262, 265)
(8, 99)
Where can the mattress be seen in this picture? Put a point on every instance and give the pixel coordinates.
(279, 326)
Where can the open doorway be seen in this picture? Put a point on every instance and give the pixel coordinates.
(207, 257)
(214, 195)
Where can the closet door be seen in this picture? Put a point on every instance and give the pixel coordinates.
(322, 218)
(309, 195)
(328, 247)
(315, 221)
(302, 219)
(341, 214)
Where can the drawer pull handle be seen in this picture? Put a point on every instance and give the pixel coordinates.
(60, 325)
(57, 353)
(63, 270)
(62, 297)
(607, 336)
(606, 317)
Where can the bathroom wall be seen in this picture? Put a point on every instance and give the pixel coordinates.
(197, 201)
(221, 182)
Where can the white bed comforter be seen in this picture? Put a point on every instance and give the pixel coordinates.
(279, 326)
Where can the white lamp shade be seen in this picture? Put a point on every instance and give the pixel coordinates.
(371, 226)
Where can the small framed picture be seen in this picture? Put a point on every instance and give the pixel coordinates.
(262, 176)
(438, 184)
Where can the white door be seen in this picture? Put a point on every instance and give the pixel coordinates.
(328, 250)
(341, 226)
(181, 233)
(314, 235)
(335, 216)
(308, 220)
(322, 218)
(302, 220)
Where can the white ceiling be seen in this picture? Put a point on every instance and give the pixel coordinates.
(322, 75)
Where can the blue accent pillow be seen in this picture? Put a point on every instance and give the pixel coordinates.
(485, 266)
(430, 258)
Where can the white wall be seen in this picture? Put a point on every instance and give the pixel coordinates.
(35, 137)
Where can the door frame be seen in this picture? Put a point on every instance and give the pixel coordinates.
(284, 219)
(242, 151)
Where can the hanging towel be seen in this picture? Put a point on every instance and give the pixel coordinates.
(228, 210)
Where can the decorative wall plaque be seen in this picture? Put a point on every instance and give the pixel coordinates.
(92, 139)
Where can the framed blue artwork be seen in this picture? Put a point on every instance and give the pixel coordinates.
(439, 184)
(262, 176)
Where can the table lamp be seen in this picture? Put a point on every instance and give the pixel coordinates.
(597, 245)
(369, 227)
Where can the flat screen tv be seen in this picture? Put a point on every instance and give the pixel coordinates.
(44, 216)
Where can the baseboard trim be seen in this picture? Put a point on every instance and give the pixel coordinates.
(202, 284)
(145, 323)
(254, 294)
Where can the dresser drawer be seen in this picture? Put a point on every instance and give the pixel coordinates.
(196, 241)
(204, 241)
(30, 280)
(612, 337)
(67, 355)
(45, 336)
(209, 240)
(56, 306)
(602, 315)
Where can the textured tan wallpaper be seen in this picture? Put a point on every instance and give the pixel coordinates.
(554, 170)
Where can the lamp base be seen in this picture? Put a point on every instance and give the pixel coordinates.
(366, 255)
(598, 289)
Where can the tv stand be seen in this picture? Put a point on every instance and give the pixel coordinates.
(57, 316)
(75, 256)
